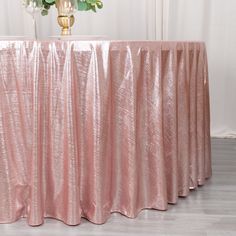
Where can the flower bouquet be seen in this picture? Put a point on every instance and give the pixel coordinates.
(65, 8)
(81, 5)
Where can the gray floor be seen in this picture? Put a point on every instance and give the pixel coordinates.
(211, 210)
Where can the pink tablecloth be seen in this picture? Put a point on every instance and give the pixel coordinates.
(89, 128)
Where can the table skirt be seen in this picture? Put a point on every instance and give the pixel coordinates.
(93, 127)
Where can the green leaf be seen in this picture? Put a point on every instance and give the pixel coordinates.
(93, 8)
(44, 12)
(91, 1)
(82, 6)
(99, 5)
(50, 1)
(46, 7)
(89, 7)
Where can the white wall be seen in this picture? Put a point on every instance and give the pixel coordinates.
(213, 21)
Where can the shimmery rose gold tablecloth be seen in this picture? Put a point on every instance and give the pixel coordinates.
(93, 127)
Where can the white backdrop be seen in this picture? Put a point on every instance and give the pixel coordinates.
(212, 21)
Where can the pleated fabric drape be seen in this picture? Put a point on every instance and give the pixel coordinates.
(93, 127)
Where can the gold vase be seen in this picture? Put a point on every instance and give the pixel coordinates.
(66, 23)
(65, 19)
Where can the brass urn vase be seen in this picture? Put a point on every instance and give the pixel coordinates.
(65, 17)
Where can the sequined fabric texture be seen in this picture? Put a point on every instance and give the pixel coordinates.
(93, 127)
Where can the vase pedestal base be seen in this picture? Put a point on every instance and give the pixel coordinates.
(66, 23)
